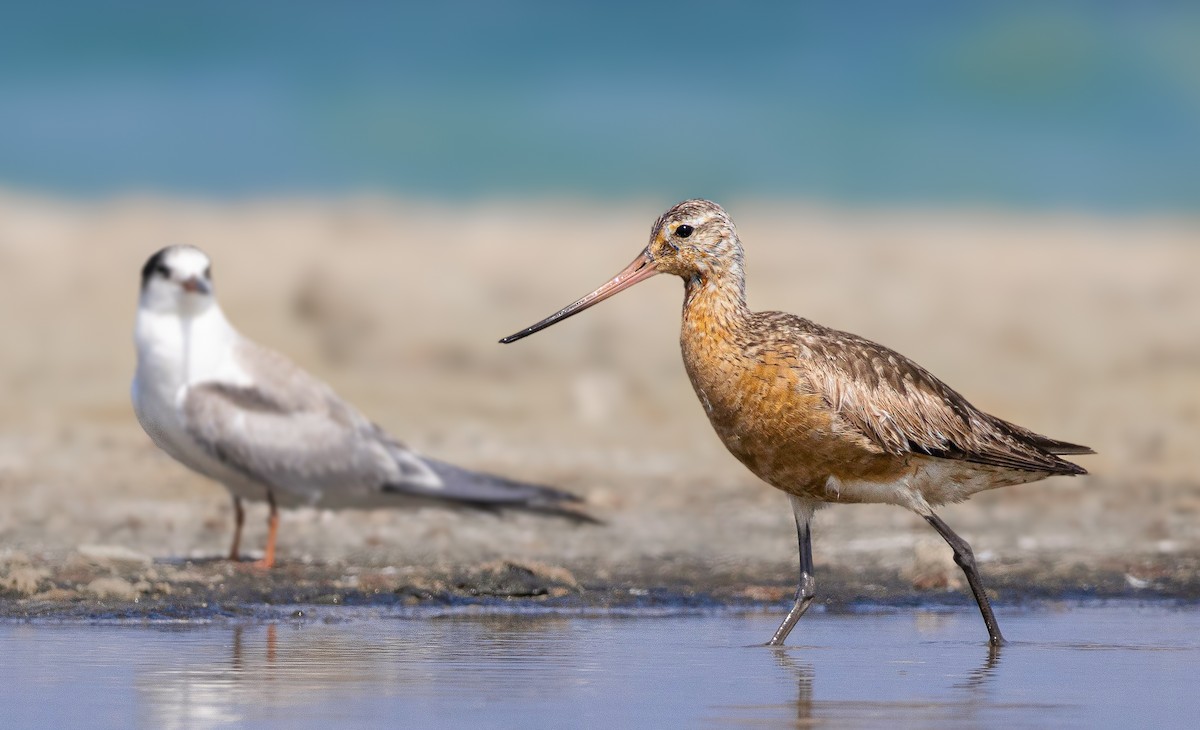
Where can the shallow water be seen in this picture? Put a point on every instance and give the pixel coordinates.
(1067, 665)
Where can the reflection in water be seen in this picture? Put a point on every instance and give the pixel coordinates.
(979, 679)
(268, 667)
(804, 674)
(964, 699)
(553, 671)
(254, 674)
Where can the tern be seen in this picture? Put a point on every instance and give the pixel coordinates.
(250, 419)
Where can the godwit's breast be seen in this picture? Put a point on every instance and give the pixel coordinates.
(757, 391)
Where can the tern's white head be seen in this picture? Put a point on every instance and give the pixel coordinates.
(177, 280)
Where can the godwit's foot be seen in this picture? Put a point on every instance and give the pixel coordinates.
(804, 596)
(965, 558)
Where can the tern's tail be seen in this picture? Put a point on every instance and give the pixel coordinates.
(487, 491)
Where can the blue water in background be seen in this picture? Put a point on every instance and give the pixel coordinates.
(1028, 104)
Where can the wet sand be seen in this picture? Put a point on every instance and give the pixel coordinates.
(1083, 328)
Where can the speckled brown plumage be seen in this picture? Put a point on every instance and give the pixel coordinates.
(799, 403)
(823, 415)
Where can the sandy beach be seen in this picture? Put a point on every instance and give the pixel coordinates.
(1082, 328)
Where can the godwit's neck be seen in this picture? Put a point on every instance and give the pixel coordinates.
(715, 300)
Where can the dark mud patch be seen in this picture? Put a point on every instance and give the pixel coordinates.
(102, 587)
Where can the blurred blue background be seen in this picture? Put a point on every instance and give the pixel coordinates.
(1092, 106)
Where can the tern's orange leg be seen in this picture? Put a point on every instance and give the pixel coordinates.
(239, 519)
(268, 559)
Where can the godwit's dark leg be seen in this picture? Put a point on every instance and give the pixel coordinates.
(239, 519)
(965, 559)
(807, 587)
(268, 559)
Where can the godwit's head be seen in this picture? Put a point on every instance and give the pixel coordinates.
(694, 240)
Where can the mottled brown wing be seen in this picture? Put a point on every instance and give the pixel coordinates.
(902, 408)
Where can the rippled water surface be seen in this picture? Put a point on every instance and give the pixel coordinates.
(1111, 665)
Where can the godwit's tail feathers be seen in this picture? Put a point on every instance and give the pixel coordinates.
(1061, 447)
(1024, 457)
(1051, 447)
(1070, 468)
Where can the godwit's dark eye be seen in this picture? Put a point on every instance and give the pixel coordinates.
(163, 271)
(684, 231)
(208, 273)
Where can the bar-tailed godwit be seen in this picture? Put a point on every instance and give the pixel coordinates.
(247, 417)
(825, 416)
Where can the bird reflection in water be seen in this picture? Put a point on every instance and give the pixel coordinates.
(808, 710)
(983, 676)
(805, 674)
(264, 671)
(236, 662)
(266, 667)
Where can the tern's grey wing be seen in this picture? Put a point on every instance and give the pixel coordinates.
(485, 489)
(312, 454)
(291, 432)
